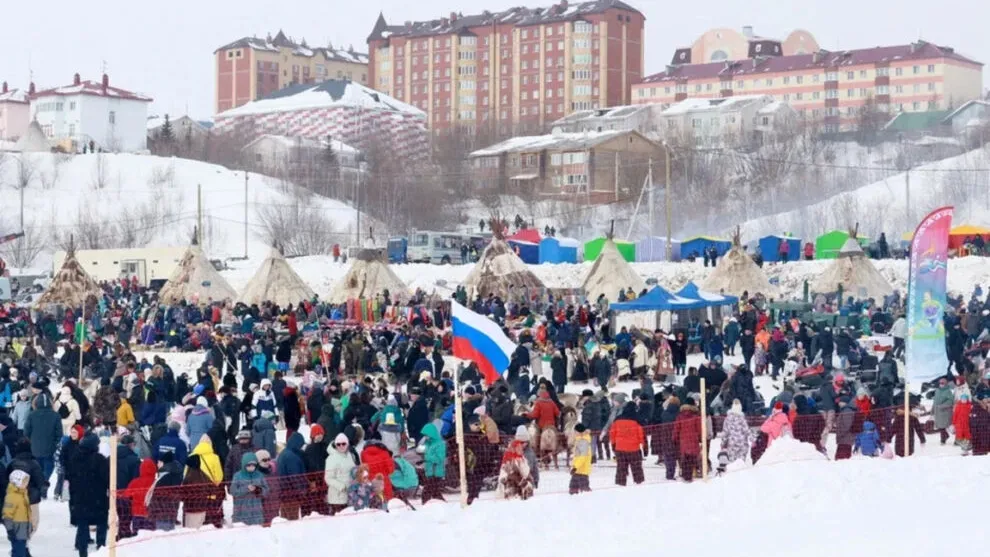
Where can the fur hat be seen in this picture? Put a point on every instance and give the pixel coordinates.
(253, 387)
(522, 434)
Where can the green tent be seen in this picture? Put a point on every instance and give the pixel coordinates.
(594, 247)
(827, 245)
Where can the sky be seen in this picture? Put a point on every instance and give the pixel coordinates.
(165, 49)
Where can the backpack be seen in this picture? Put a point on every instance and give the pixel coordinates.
(63, 411)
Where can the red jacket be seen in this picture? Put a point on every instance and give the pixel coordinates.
(137, 490)
(960, 419)
(379, 462)
(545, 412)
(292, 324)
(626, 435)
(687, 430)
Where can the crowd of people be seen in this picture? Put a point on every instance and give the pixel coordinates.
(367, 413)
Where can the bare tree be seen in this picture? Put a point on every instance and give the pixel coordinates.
(50, 179)
(300, 228)
(100, 172)
(23, 251)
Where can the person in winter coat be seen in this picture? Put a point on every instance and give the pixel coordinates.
(165, 496)
(17, 513)
(808, 423)
(558, 374)
(44, 429)
(293, 484)
(315, 458)
(202, 499)
(89, 491)
(199, 421)
(22, 408)
(232, 464)
(209, 461)
(68, 409)
(845, 436)
(868, 442)
(687, 436)
(337, 473)
(732, 332)
(593, 418)
(249, 489)
(777, 424)
(292, 410)
(263, 432)
(545, 413)
(737, 437)
(942, 406)
(171, 443)
(24, 461)
(264, 400)
(137, 493)
(378, 458)
(581, 463)
(960, 421)
(404, 480)
(628, 441)
(896, 429)
(125, 413)
(979, 424)
(364, 490)
(105, 404)
(515, 474)
(391, 426)
(434, 463)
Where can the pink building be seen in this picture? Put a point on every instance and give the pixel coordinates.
(15, 113)
(824, 86)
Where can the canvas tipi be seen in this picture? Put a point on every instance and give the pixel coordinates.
(195, 280)
(276, 281)
(72, 286)
(369, 276)
(33, 140)
(499, 270)
(736, 273)
(854, 273)
(611, 273)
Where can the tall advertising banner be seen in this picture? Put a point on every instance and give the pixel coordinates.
(925, 355)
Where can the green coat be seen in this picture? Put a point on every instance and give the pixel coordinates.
(404, 476)
(435, 459)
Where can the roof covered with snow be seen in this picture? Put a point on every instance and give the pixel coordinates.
(14, 96)
(92, 88)
(610, 113)
(518, 16)
(823, 60)
(554, 141)
(269, 44)
(327, 94)
(715, 105)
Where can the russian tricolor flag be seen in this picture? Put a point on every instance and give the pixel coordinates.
(482, 341)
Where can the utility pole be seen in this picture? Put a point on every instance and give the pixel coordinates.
(666, 200)
(649, 202)
(245, 214)
(199, 215)
(907, 199)
(616, 175)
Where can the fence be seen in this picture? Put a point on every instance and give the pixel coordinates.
(292, 497)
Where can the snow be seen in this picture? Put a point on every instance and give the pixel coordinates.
(788, 449)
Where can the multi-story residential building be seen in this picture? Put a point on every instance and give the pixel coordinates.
(724, 122)
(518, 69)
(337, 108)
(84, 112)
(642, 118)
(15, 113)
(250, 68)
(587, 167)
(833, 88)
(717, 45)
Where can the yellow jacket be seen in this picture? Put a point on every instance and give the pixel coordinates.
(125, 414)
(17, 506)
(209, 462)
(582, 454)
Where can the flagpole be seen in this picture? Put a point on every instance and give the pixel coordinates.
(459, 424)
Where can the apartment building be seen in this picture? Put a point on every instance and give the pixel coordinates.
(829, 87)
(514, 70)
(587, 167)
(251, 68)
(15, 113)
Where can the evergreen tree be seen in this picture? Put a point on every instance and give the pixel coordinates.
(167, 135)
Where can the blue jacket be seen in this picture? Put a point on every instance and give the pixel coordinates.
(198, 423)
(291, 467)
(248, 504)
(153, 413)
(447, 429)
(868, 442)
(260, 363)
(171, 443)
(435, 457)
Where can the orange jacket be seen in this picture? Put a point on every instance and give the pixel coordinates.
(545, 412)
(626, 435)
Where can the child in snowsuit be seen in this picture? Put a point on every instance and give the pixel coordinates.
(868, 442)
(17, 513)
(581, 465)
(363, 492)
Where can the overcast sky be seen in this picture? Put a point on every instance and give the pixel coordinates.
(165, 49)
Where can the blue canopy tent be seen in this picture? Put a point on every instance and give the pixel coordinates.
(559, 250)
(770, 248)
(701, 243)
(657, 308)
(528, 251)
(691, 291)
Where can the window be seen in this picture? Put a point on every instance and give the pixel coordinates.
(465, 41)
(581, 74)
(550, 31)
(917, 87)
(581, 90)
(799, 79)
(850, 75)
(931, 68)
(850, 93)
(696, 123)
(815, 95)
(72, 130)
(931, 86)
(832, 93)
(739, 85)
(798, 96)
(113, 117)
(72, 105)
(525, 80)
(831, 76)
(862, 92)
(915, 70)
(899, 89)
(814, 78)
(582, 58)
(883, 72)
(932, 105)
(582, 27)
(787, 97)
(769, 82)
(883, 90)
(697, 88)
(525, 65)
(525, 49)
(708, 87)
(862, 73)
(787, 80)
(582, 43)
(916, 105)
(898, 71)
(525, 33)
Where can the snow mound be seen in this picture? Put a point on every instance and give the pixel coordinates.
(789, 449)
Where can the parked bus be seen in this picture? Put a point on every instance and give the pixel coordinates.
(442, 247)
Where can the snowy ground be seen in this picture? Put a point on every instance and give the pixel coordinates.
(321, 273)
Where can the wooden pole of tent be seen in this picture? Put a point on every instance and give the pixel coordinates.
(704, 431)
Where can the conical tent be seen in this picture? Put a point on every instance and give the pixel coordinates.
(369, 276)
(854, 273)
(277, 282)
(737, 273)
(33, 140)
(610, 274)
(499, 270)
(72, 286)
(195, 281)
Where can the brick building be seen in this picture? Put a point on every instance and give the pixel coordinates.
(251, 68)
(514, 70)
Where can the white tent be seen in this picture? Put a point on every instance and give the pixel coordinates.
(737, 273)
(276, 281)
(610, 274)
(369, 276)
(855, 273)
(195, 281)
(33, 140)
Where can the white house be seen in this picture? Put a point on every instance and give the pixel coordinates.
(183, 128)
(271, 153)
(73, 116)
(971, 119)
(641, 117)
(722, 122)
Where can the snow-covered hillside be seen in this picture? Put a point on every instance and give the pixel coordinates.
(882, 206)
(145, 200)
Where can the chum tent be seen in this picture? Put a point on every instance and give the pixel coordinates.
(736, 272)
(71, 286)
(594, 247)
(195, 281)
(498, 270)
(854, 273)
(559, 250)
(654, 248)
(770, 248)
(699, 244)
(527, 251)
(276, 281)
(961, 233)
(610, 274)
(828, 245)
(369, 276)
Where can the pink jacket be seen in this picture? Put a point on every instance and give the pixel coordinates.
(775, 426)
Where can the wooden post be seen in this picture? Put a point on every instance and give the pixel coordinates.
(907, 418)
(704, 432)
(459, 423)
(112, 525)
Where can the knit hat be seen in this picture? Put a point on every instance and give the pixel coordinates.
(391, 400)
(246, 434)
(862, 392)
(522, 434)
(127, 440)
(580, 428)
(199, 389)
(587, 392)
(469, 390)
(201, 401)
(316, 431)
(779, 406)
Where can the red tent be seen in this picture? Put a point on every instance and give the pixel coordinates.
(530, 235)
